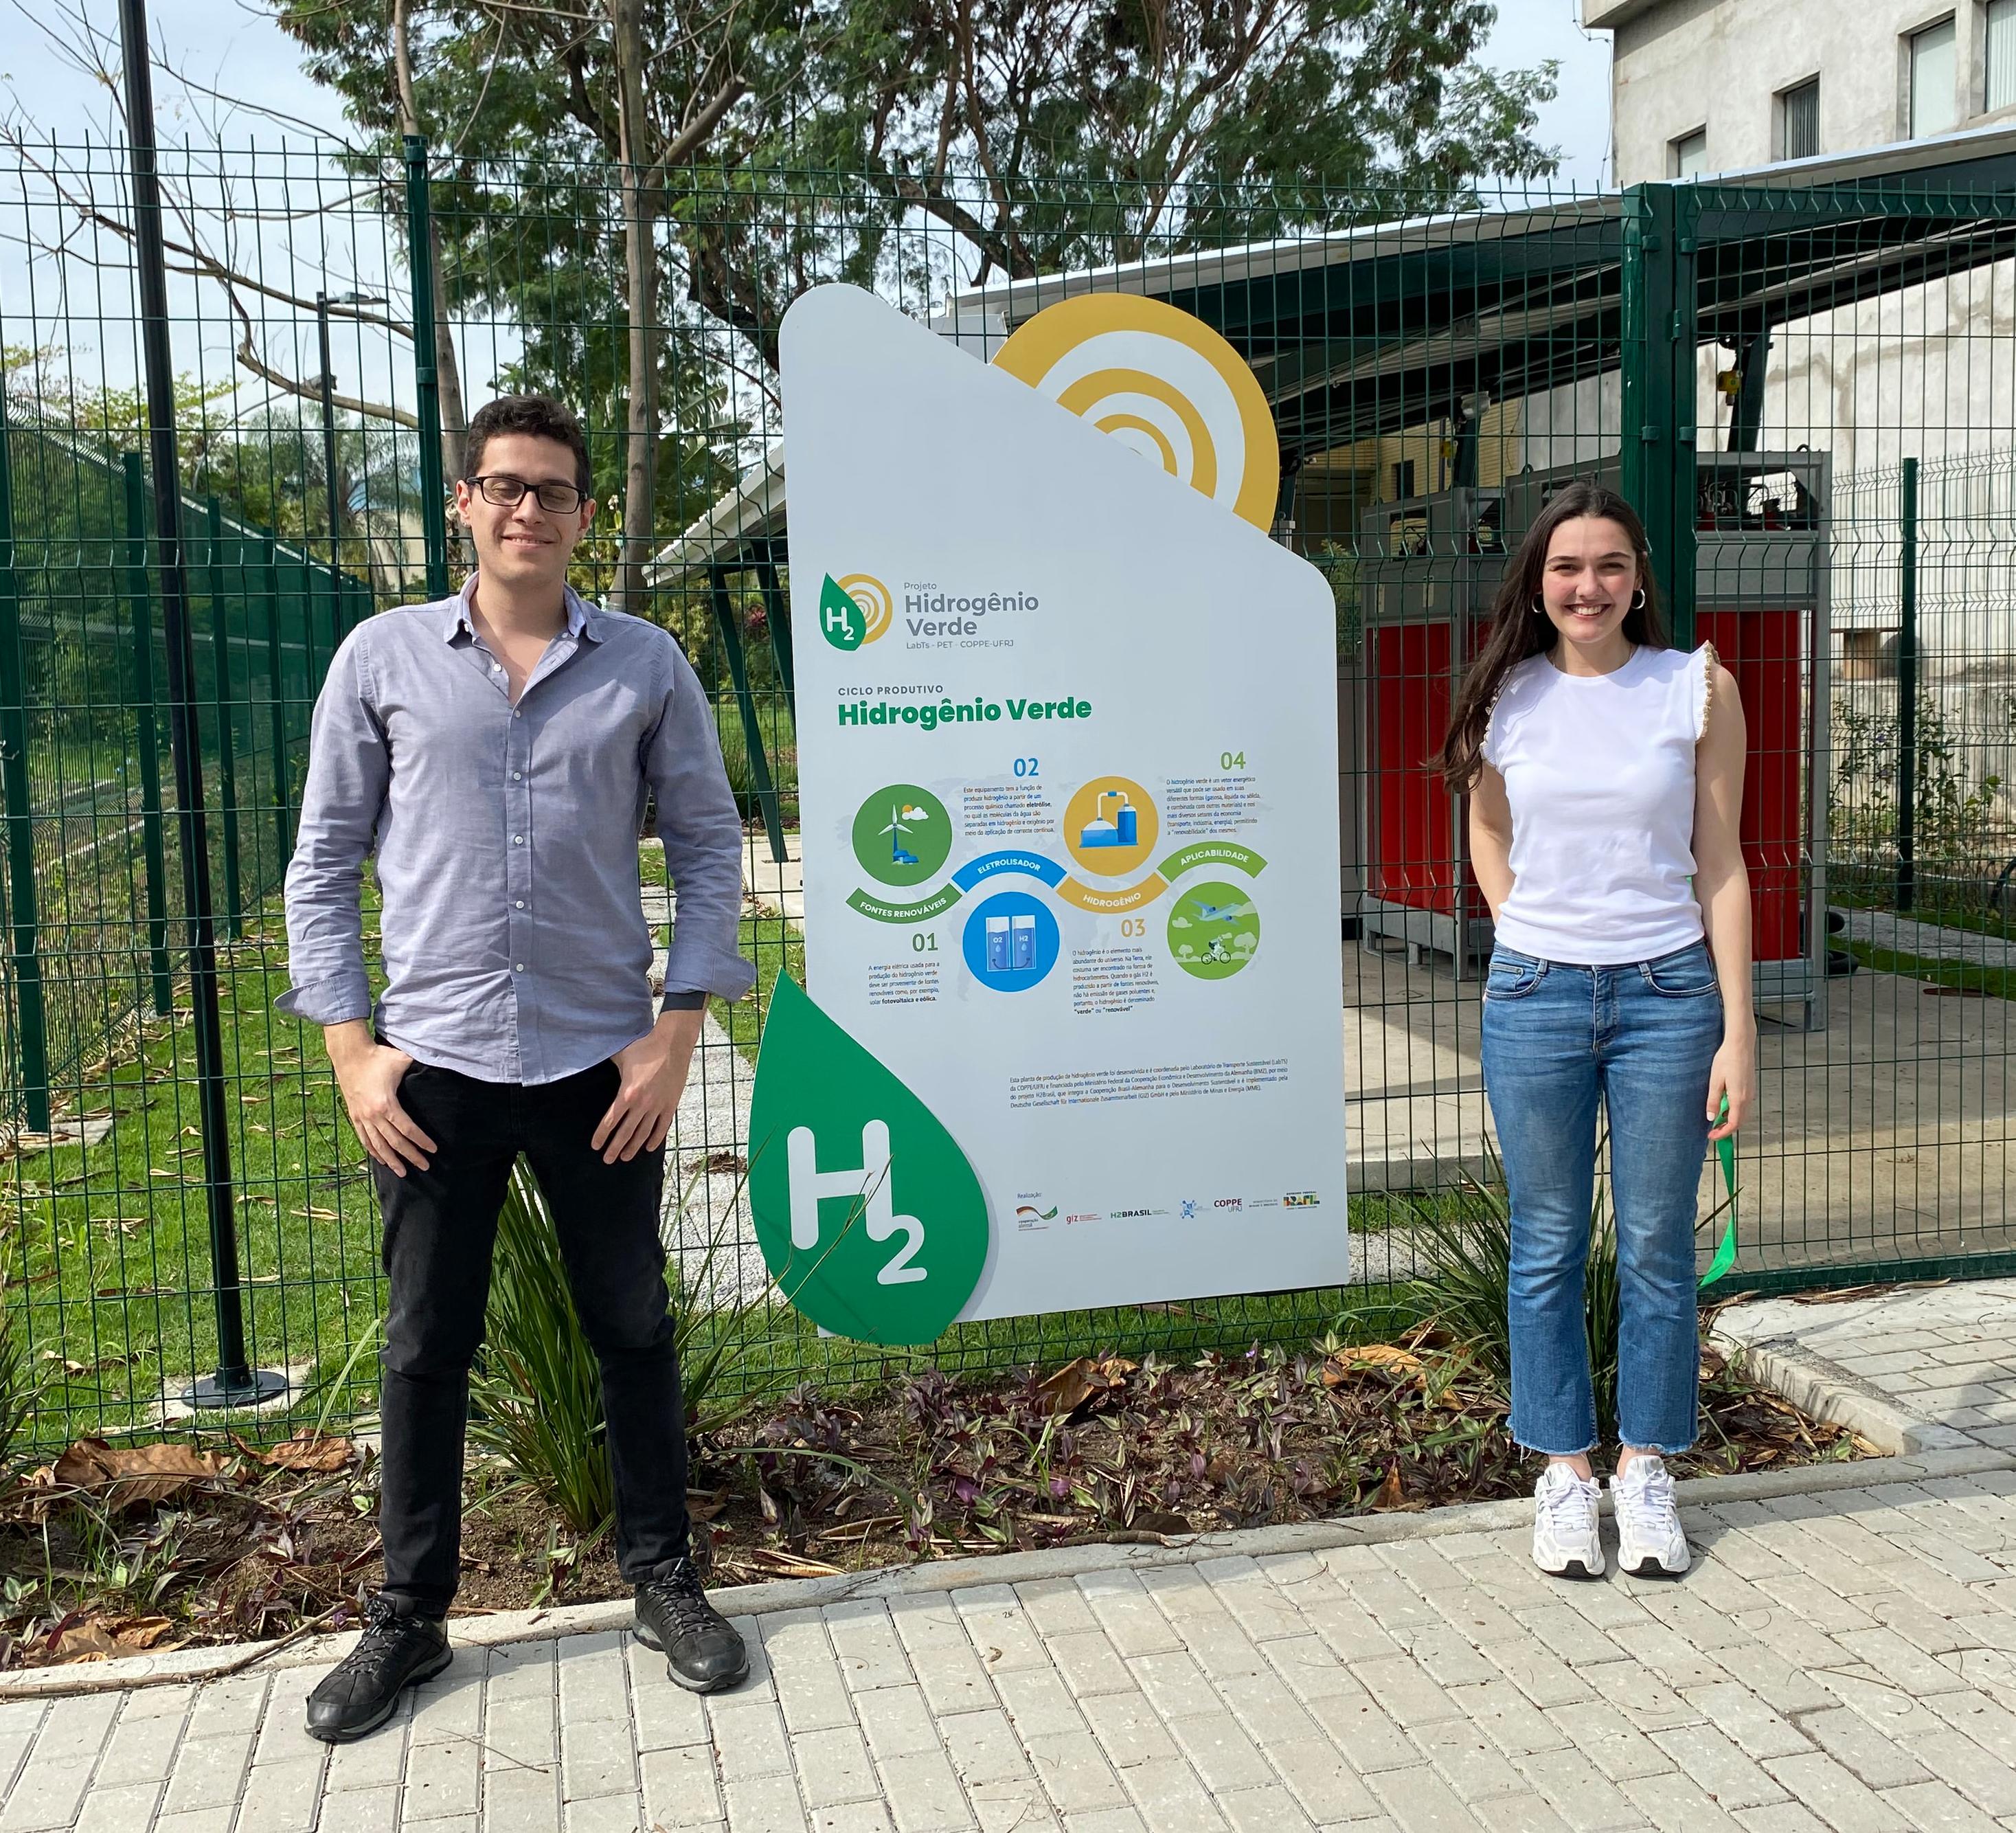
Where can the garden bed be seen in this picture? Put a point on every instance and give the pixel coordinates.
(107, 1553)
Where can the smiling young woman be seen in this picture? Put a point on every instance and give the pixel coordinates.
(1605, 770)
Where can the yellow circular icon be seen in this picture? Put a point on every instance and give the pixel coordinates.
(873, 597)
(1109, 827)
(1162, 382)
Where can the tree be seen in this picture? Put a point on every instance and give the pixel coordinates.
(734, 152)
(643, 86)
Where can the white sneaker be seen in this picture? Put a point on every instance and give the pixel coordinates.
(1566, 1544)
(1649, 1541)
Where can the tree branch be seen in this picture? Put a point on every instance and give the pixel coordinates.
(248, 358)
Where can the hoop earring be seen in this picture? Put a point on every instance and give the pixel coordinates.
(1638, 599)
(1537, 608)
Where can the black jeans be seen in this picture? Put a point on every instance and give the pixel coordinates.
(440, 1227)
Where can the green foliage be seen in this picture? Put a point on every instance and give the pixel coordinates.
(1954, 814)
(537, 1400)
(19, 1389)
(538, 1397)
(1049, 134)
(1464, 1243)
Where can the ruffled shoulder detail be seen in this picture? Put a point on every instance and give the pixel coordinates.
(1702, 681)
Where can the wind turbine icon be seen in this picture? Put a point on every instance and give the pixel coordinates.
(898, 827)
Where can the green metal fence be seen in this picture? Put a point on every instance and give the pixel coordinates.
(1809, 391)
(92, 858)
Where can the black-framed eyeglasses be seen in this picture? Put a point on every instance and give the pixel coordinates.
(504, 491)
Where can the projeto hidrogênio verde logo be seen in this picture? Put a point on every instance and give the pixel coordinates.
(855, 610)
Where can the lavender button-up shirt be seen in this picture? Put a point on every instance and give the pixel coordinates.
(515, 944)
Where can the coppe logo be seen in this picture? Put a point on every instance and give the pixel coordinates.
(855, 610)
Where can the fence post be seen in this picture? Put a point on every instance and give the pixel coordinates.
(1907, 693)
(234, 1380)
(24, 961)
(777, 615)
(426, 374)
(227, 758)
(276, 676)
(1657, 467)
(153, 847)
(752, 730)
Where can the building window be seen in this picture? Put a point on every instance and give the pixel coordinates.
(1935, 81)
(2001, 23)
(1799, 121)
(1403, 478)
(1690, 152)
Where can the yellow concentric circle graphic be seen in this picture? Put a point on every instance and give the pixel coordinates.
(873, 597)
(1162, 382)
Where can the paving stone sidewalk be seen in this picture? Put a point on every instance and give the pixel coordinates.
(1840, 1659)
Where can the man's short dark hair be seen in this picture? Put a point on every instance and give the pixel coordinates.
(538, 415)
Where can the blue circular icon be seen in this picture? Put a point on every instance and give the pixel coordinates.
(1011, 942)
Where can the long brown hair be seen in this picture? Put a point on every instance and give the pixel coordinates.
(1517, 632)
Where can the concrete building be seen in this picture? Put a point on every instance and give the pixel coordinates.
(1704, 86)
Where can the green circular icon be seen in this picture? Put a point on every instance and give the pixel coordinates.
(902, 835)
(1214, 929)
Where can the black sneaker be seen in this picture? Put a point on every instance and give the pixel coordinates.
(703, 1651)
(396, 1650)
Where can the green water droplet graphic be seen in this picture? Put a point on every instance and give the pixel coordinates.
(844, 623)
(887, 1236)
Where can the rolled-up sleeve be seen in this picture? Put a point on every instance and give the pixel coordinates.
(350, 767)
(703, 837)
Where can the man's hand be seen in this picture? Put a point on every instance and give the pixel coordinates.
(369, 1073)
(653, 1071)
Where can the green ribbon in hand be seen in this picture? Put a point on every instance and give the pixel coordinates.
(1725, 1252)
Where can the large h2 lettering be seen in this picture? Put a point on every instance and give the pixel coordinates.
(868, 1183)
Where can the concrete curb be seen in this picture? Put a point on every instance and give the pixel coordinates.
(190, 1665)
(1822, 1389)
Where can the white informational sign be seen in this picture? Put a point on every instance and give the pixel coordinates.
(1067, 729)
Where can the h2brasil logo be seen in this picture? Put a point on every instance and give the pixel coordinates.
(855, 610)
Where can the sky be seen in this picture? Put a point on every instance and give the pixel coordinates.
(234, 46)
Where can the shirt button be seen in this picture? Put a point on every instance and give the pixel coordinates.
(517, 840)
(517, 712)
(517, 777)
(518, 967)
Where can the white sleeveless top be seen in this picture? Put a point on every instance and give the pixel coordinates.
(1600, 770)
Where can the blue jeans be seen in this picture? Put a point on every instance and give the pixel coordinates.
(1642, 1037)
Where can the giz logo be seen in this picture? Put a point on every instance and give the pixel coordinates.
(868, 1184)
(855, 610)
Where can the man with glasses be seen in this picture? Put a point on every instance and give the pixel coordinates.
(495, 749)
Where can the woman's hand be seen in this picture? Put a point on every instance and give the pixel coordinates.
(1732, 1076)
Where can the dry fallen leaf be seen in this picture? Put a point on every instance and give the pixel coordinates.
(1339, 1368)
(140, 1473)
(318, 1453)
(1392, 1492)
(1070, 1387)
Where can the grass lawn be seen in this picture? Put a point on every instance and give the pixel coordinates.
(1998, 983)
(109, 1270)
